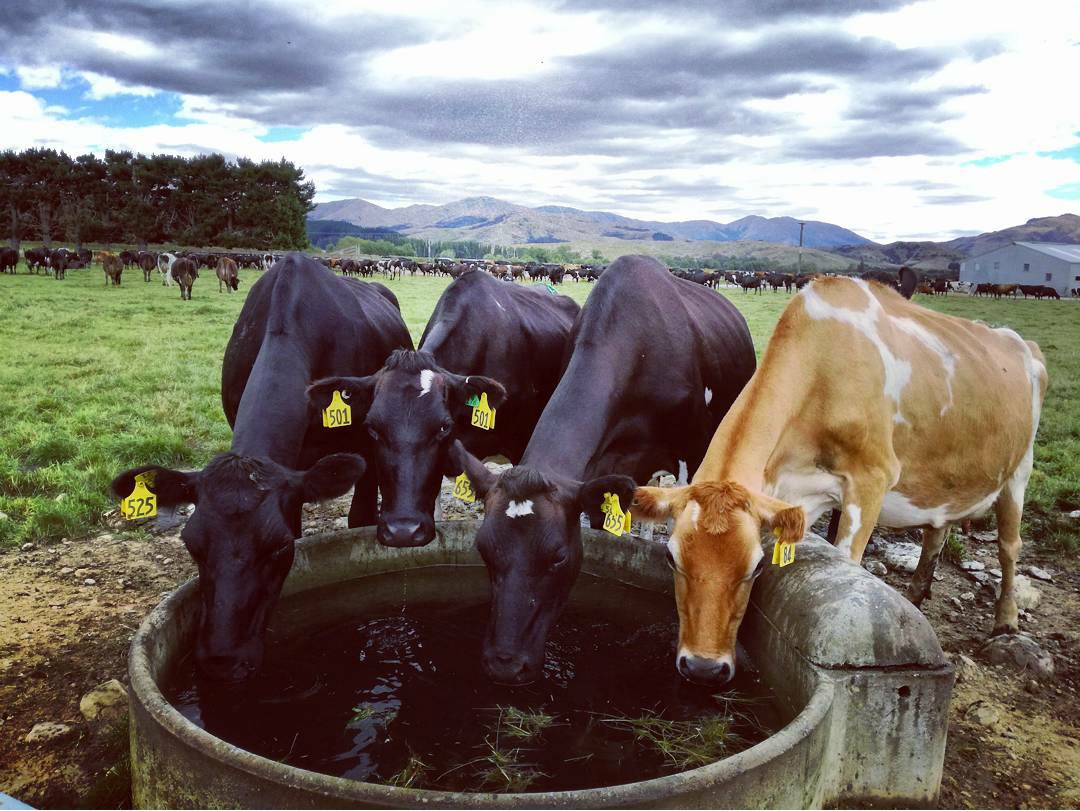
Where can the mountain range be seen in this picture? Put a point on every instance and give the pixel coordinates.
(487, 219)
(829, 246)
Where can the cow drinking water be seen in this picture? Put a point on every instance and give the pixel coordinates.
(299, 322)
(654, 362)
(891, 431)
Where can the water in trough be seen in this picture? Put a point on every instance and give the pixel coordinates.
(379, 679)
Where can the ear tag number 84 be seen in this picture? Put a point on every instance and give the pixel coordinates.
(338, 414)
(141, 503)
(463, 489)
(483, 415)
(782, 553)
(616, 521)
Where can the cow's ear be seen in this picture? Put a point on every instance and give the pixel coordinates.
(171, 487)
(786, 521)
(590, 496)
(463, 387)
(482, 479)
(355, 391)
(653, 504)
(332, 476)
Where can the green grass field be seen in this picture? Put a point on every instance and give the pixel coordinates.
(98, 379)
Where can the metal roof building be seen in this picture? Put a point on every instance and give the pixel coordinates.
(1051, 264)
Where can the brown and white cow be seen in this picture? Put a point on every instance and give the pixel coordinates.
(226, 272)
(867, 403)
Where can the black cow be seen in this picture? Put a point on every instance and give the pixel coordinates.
(654, 363)
(300, 322)
(9, 258)
(36, 258)
(484, 336)
(59, 260)
(185, 271)
(129, 258)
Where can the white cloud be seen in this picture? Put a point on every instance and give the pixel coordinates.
(102, 87)
(39, 77)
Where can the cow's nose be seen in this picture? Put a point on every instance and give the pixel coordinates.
(510, 668)
(405, 533)
(700, 670)
(226, 669)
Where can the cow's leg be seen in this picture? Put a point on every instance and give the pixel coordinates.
(923, 579)
(364, 510)
(859, 513)
(1008, 511)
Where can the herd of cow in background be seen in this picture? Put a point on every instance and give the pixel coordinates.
(653, 373)
(182, 268)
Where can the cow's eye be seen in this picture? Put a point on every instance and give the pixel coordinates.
(560, 560)
(445, 429)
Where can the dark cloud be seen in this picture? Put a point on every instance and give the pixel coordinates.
(746, 12)
(873, 144)
(905, 107)
(953, 199)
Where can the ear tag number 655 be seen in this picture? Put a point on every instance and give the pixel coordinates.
(616, 521)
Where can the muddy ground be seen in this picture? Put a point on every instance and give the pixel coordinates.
(68, 611)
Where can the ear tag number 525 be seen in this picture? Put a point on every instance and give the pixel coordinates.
(141, 503)
(338, 414)
(616, 521)
(483, 415)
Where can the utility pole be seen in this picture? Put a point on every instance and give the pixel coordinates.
(801, 226)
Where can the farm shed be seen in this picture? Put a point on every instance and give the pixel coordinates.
(1053, 264)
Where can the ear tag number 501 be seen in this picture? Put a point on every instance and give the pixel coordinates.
(141, 503)
(483, 415)
(616, 521)
(338, 414)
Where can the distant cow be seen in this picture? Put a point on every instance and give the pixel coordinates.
(299, 323)
(654, 363)
(58, 261)
(751, 283)
(36, 258)
(999, 290)
(185, 272)
(227, 273)
(9, 258)
(1047, 292)
(129, 258)
(113, 266)
(146, 262)
(165, 262)
(484, 338)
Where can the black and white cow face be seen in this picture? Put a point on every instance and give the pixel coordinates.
(411, 410)
(241, 538)
(530, 541)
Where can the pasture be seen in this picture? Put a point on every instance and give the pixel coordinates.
(97, 379)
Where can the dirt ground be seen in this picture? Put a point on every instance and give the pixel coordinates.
(68, 611)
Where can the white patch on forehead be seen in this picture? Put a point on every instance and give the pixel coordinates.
(855, 517)
(708, 395)
(693, 511)
(684, 474)
(516, 509)
(897, 371)
(426, 376)
(935, 345)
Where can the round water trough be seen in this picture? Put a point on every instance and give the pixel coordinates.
(863, 685)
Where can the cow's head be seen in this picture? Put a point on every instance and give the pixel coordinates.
(715, 553)
(247, 514)
(530, 541)
(412, 409)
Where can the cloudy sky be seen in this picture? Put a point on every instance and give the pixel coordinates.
(899, 120)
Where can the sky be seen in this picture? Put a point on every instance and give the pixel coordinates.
(898, 120)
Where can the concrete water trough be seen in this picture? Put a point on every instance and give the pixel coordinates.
(862, 682)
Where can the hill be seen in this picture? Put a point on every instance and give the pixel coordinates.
(487, 219)
(1063, 228)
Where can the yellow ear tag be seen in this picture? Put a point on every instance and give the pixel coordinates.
(463, 489)
(782, 553)
(483, 415)
(141, 503)
(615, 520)
(338, 414)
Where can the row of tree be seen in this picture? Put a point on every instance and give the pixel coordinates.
(138, 199)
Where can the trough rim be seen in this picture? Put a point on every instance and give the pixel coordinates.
(146, 692)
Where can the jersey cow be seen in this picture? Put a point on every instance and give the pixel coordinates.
(299, 322)
(227, 274)
(654, 362)
(890, 431)
(484, 338)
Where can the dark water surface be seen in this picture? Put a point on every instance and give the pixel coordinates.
(379, 679)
